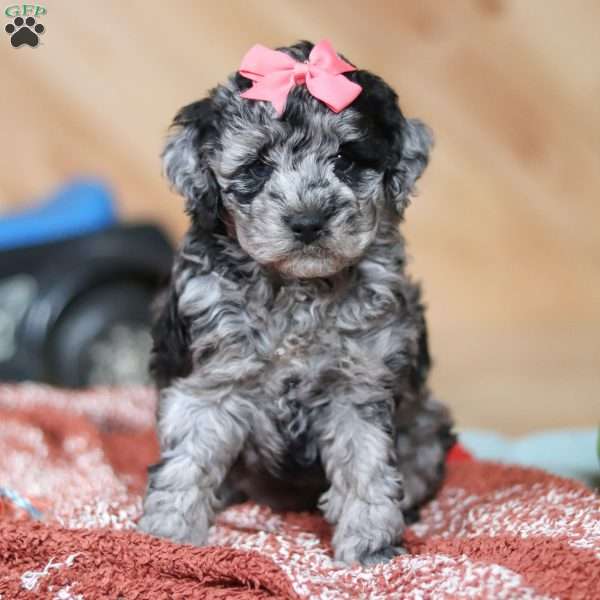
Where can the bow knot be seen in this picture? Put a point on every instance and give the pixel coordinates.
(274, 74)
(301, 69)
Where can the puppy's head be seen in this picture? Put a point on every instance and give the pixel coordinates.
(304, 192)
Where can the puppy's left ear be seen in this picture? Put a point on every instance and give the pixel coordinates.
(414, 145)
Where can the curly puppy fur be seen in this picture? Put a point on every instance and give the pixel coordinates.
(291, 348)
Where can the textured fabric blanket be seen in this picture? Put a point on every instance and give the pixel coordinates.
(80, 458)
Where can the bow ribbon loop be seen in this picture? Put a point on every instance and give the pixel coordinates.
(274, 74)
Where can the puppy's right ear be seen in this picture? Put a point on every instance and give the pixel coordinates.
(185, 162)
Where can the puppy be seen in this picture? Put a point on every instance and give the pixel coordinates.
(291, 348)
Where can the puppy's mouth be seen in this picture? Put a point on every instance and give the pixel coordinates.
(311, 262)
(315, 250)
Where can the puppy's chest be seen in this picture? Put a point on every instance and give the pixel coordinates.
(315, 337)
(309, 346)
(299, 327)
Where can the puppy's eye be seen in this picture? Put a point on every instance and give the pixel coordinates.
(252, 178)
(343, 164)
(259, 169)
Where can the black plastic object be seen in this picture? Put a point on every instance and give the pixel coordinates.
(77, 312)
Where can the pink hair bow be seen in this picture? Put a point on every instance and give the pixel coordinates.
(274, 74)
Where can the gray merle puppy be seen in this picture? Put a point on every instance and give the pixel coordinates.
(291, 347)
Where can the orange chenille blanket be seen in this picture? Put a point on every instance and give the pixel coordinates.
(79, 458)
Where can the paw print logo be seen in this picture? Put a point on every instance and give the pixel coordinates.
(24, 31)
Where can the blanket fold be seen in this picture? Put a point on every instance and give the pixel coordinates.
(119, 564)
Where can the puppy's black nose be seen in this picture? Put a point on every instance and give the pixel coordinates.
(308, 227)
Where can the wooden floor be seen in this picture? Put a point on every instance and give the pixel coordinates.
(505, 233)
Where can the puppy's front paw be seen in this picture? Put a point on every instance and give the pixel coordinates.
(382, 555)
(367, 532)
(173, 526)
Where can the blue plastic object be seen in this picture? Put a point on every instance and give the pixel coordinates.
(78, 208)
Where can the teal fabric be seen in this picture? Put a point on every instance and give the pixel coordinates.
(566, 452)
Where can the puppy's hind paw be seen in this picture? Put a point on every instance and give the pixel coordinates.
(382, 555)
